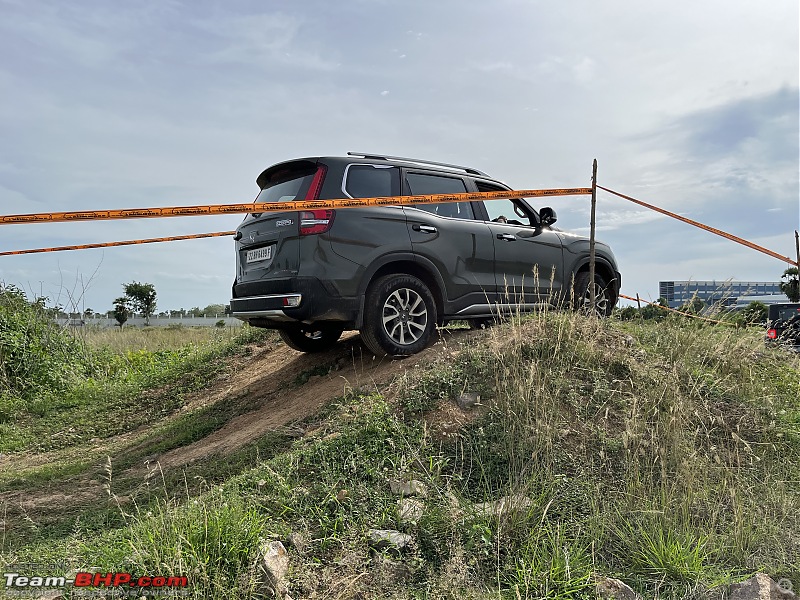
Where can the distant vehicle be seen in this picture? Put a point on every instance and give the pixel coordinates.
(397, 272)
(783, 325)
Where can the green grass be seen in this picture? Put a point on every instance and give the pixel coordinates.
(78, 418)
(212, 542)
(665, 454)
(121, 392)
(172, 337)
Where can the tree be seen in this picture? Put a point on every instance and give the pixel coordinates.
(653, 312)
(142, 297)
(121, 310)
(628, 313)
(790, 284)
(755, 313)
(214, 309)
(695, 306)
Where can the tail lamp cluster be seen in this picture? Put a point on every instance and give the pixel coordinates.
(314, 222)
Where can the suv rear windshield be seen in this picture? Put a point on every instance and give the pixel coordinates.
(287, 183)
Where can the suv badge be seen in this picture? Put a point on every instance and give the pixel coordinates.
(283, 223)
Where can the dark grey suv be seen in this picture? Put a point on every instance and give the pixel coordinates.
(783, 325)
(396, 272)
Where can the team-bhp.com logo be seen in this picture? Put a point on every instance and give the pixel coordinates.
(15, 581)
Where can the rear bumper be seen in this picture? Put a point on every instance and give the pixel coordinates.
(790, 344)
(269, 306)
(293, 300)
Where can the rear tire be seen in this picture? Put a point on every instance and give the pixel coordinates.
(312, 338)
(399, 316)
(604, 296)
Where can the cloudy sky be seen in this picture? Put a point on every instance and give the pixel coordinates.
(689, 106)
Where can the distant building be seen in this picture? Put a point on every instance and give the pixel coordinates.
(721, 293)
(743, 301)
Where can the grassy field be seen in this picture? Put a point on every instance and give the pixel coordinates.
(153, 339)
(666, 454)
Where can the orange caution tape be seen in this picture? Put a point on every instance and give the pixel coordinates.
(173, 238)
(262, 207)
(713, 230)
(685, 314)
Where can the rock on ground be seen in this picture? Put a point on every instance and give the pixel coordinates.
(501, 506)
(408, 488)
(762, 587)
(381, 539)
(275, 561)
(468, 400)
(410, 510)
(608, 587)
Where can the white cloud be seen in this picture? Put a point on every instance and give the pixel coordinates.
(259, 41)
(610, 221)
(583, 70)
(495, 66)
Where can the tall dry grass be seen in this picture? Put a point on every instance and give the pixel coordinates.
(153, 339)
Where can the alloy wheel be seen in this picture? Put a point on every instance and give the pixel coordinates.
(405, 316)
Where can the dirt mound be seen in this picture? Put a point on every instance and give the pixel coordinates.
(269, 389)
(289, 386)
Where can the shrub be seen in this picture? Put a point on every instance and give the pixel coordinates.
(37, 357)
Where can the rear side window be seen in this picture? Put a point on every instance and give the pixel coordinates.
(287, 184)
(370, 181)
(421, 184)
(784, 312)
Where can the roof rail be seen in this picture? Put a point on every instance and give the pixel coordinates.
(469, 170)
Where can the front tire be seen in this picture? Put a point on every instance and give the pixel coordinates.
(399, 316)
(604, 295)
(312, 338)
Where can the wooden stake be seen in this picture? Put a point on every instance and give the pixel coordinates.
(592, 293)
(797, 246)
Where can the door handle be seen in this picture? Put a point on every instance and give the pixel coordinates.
(507, 237)
(424, 228)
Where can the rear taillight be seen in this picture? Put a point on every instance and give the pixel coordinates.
(772, 334)
(316, 184)
(316, 221)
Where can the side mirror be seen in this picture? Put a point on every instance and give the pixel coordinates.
(547, 216)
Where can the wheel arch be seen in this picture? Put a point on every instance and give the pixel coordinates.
(603, 268)
(408, 264)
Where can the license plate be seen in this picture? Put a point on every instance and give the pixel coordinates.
(259, 254)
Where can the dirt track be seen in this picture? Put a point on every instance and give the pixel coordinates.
(275, 387)
(269, 379)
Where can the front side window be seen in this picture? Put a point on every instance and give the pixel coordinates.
(371, 181)
(506, 212)
(421, 184)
